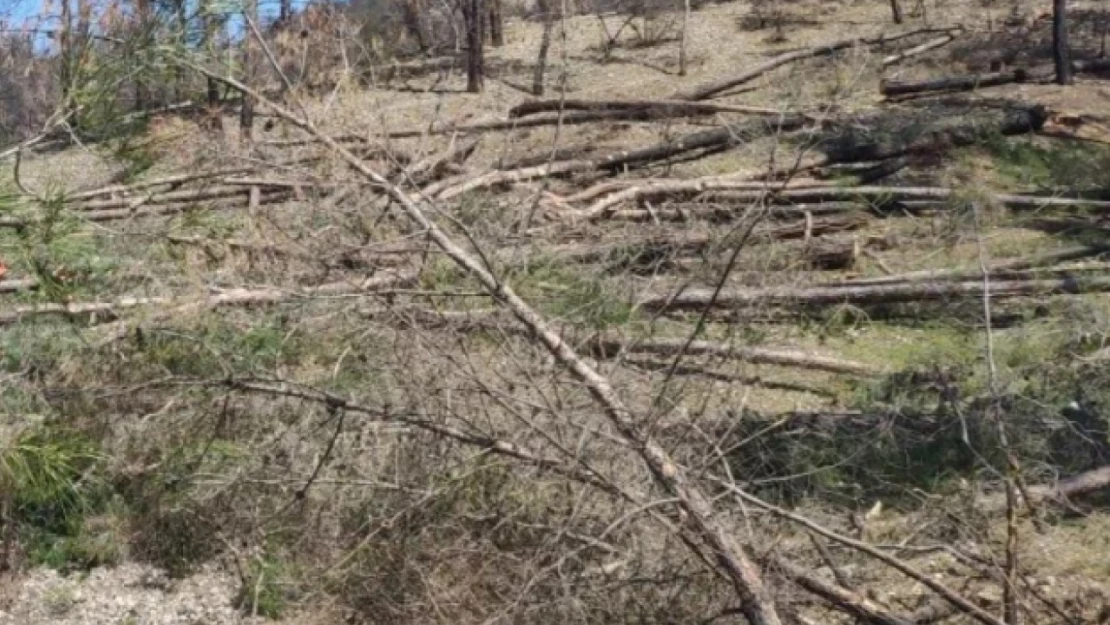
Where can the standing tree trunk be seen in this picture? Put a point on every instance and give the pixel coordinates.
(496, 24)
(144, 24)
(65, 50)
(545, 45)
(412, 12)
(1060, 52)
(682, 41)
(211, 28)
(246, 109)
(896, 11)
(474, 21)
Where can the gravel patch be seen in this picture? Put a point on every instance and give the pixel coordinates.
(130, 594)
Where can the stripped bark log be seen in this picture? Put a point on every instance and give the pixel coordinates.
(176, 180)
(1005, 269)
(14, 285)
(708, 90)
(654, 189)
(93, 311)
(754, 192)
(188, 195)
(652, 249)
(602, 347)
(932, 44)
(116, 214)
(725, 212)
(725, 136)
(870, 294)
(1063, 493)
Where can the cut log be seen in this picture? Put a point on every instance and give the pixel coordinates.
(693, 299)
(831, 255)
(601, 347)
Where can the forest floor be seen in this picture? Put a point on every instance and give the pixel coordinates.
(292, 275)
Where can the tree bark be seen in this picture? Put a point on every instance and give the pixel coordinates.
(65, 49)
(545, 45)
(682, 41)
(660, 108)
(144, 23)
(896, 11)
(246, 109)
(496, 23)
(211, 30)
(1060, 52)
(966, 82)
(473, 19)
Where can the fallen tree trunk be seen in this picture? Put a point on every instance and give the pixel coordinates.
(720, 212)
(968, 82)
(116, 214)
(870, 294)
(931, 129)
(176, 180)
(739, 191)
(601, 347)
(1004, 269)
(965, 82)
(232, 297)
(663, 108)
(932, 44)
(710, 89)
(726, 136)
(188, 195)
(13, 285)
(657, 248)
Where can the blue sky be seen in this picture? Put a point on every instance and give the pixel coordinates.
(16, 12)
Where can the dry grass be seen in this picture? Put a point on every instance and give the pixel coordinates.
(219, 446)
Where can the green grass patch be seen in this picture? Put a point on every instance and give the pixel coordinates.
(1050, 164)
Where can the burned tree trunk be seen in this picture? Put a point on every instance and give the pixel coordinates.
(474, 21)
(545, 46)
(211, 29)
(144, 23)
(411, 13)
(496, 24)
(246, 109)
(1060, 53)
